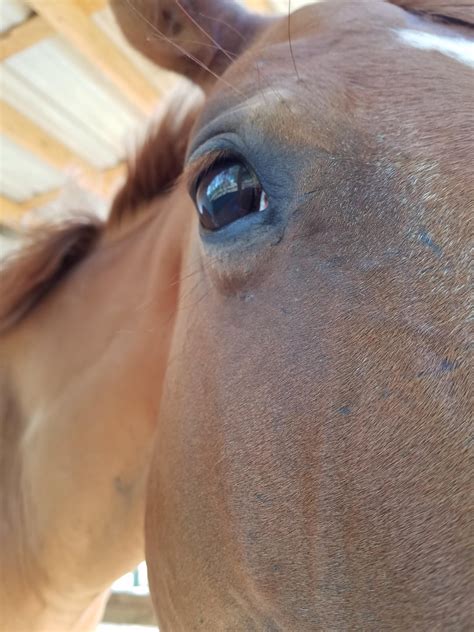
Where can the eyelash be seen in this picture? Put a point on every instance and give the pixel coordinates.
(197, 170)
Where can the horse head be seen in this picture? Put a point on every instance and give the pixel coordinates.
(310, 469)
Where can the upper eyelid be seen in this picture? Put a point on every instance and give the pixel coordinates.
(206, 153)
(195, 169)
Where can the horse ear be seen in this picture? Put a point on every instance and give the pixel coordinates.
(458, 10)
(196, 38)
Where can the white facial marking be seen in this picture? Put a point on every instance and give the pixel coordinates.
(458, 48)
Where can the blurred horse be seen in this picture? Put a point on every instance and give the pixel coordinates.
(86, 310)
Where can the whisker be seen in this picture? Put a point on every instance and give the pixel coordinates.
(232, 56)
(289, 42)
(203, 30)
(224, 23)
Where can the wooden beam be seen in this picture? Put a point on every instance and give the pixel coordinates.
(36, 28)
(92, 6)
(26, 34)
(102, 183)
(36, 140)
(70, 20)
(10, 211)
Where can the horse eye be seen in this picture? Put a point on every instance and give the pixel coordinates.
(227, 192)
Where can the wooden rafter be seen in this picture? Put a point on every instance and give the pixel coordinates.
(102, 183)
(35, 29)
(10, 211)
(36, 140)
(23, 36)
(69, 19)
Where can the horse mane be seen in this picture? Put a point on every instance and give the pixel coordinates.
(51, 251)
(159, 162)
(48, 253)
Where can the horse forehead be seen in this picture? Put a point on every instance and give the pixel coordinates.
(334, 77)
(336, 37)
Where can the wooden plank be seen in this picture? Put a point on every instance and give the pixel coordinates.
(70, 20)
(92, 6)
(34, 139)
(23, 36)
(10, 211)
(102, 183)
(36, 28)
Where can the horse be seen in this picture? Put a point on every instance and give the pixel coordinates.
(310, 469)
(262, 353)
(83, 344)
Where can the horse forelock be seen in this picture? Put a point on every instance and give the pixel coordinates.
(158, 163)
(46, 256)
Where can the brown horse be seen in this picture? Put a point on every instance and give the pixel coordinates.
(86, 312)
(310, 470)
(303, 350)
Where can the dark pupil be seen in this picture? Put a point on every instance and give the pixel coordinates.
(227, 192)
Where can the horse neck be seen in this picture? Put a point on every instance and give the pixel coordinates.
(63, 386)
(34, 615)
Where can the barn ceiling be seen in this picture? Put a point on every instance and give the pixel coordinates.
(74, 100)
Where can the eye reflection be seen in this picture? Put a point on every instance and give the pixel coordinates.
(227, 192)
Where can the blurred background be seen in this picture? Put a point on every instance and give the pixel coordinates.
(75, 100)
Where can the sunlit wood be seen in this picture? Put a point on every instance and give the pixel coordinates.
(71, 20)
(10, 211)
(30, 32)
(92, 6)
(36, 28)
(102, 183)
(34, 139)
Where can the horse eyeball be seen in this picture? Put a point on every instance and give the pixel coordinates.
(227, 192)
